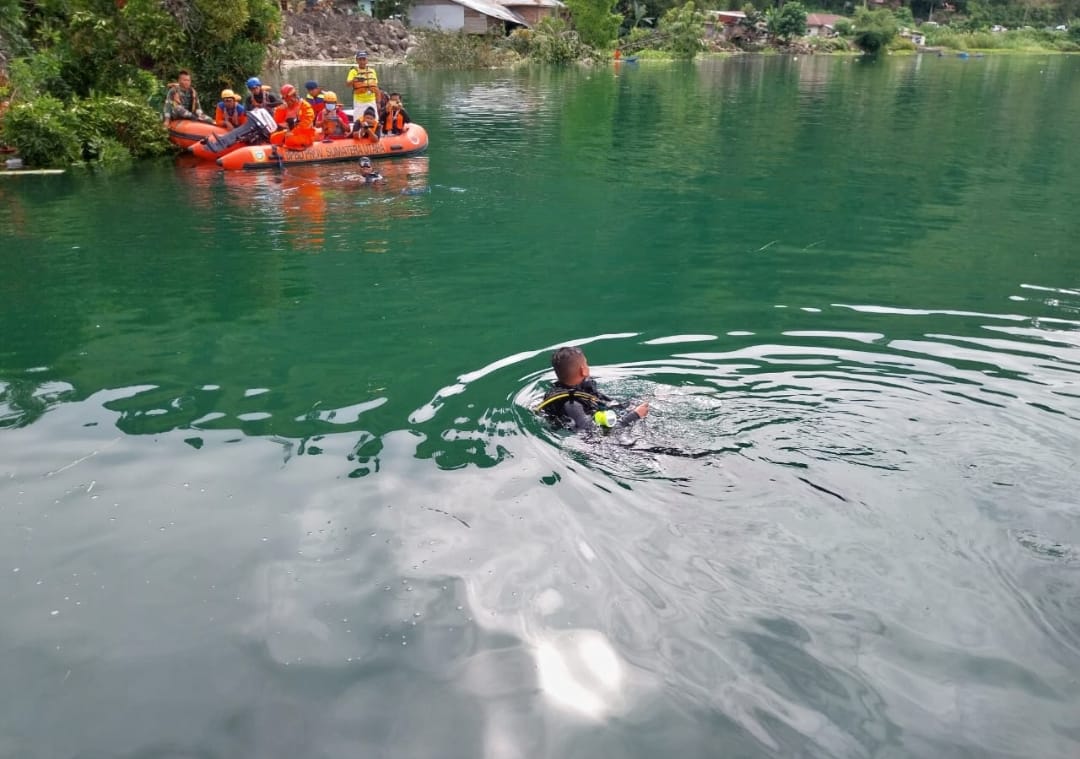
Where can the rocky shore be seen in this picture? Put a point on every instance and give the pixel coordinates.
(329, 33)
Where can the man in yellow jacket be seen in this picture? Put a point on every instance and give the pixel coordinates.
(365, 86)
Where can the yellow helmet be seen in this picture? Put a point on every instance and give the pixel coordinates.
(329, 97)
(225, 94)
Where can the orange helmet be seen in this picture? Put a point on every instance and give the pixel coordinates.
(287, 90)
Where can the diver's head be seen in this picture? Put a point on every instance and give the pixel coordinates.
(570, 365)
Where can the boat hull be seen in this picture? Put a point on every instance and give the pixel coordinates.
(414, 140)
(187, 132)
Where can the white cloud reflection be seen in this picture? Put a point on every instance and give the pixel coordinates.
(580, 671)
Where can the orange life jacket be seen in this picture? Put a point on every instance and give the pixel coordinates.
(333, 123)
(394, 121)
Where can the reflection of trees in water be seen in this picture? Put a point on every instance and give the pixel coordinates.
(24, 400)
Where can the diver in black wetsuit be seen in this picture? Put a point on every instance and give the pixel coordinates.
(575, 402)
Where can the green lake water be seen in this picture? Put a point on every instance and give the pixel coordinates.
(270, 485)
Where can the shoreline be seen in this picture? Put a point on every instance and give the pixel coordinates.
(292, 63)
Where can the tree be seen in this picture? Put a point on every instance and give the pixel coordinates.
(594, 21)
(874, 30)
(787, 22)
(107, 64)
(684, 28)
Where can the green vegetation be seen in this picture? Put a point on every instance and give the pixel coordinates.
(552, 41)
(103, 128)
(874, 30)
(1018, 40)
(684, 29)
(787, 21)
(595, 21)
(84, 76)
(460, 51)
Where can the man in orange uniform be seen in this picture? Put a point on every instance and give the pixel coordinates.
(298, 119)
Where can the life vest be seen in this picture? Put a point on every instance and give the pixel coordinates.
(367, 131)
(225, 117)
(357, 79)
(556, 398)
(333, 123)
(317, 103)
(301, 110)
(393, 122)
(184, 98)
(261, 98)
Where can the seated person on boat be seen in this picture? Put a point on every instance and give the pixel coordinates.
(229, 113)
(260, 96)
(396, 116)
(333, 121)
(366, 128)
(182, 101)
(296, 118)
(315, 96)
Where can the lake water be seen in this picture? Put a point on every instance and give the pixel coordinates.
(270, 485)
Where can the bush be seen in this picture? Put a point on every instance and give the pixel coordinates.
(1022, 39)
(684, 30)
(903, 45)
(44, 131)
(552, 41)
(105, 129)
(594, 22)
(520, 41)
(122, 121)
(844, 28)
(829, 44)
(458, 50)
(788, 22)
(39, 74)
(105, 151)
(874, 30)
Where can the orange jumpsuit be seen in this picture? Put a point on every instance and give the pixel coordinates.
(302, 135)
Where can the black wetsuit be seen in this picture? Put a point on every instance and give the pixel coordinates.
(573, 407)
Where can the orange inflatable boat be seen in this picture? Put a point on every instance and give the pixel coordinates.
(187, 132)
(412, 141)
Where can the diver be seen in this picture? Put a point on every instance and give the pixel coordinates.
(368, 175)
(575, 402)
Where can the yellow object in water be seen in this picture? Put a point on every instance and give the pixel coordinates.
(605, 418)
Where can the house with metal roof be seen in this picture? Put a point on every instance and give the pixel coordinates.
(470, 16)
(821, 24)
(535, 10)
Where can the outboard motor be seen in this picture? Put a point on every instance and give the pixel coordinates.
(259, 126)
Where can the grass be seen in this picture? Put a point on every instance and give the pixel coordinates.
(1013, 41)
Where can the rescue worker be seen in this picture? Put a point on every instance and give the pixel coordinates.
(366, 128)
(396, 116)
(333, 121)
(364, 84)
(315, 96)
(229, 113)
(260, 96)
(368, 175)
(296, 118)
(575, 402)
(182, 101)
